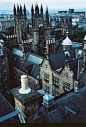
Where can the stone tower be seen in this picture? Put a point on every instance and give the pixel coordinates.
(47, 26)
(20, 23)
(41, 29)
(66, 23)
(37, 26)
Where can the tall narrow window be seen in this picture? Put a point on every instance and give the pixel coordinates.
(56, 82)
(46, 77)
(46, 88)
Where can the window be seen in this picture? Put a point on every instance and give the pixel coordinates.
(56, 82)
(6, 86)
(4, 70)
(5, 78)
(66, 86)
(3, 61)
(22, 23)
(46, 88)
(67, 75)
(55, 93)
(39, 21)
(46, 77)
(46, 65)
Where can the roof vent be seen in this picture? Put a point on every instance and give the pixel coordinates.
(24, 85)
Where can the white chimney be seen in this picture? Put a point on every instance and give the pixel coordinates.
(24, 82)
(24, 85)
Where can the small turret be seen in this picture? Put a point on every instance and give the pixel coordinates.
(17, 9)
(41, 10)
(47, 15)
(20, 10)
(36, 8)
(24, 10)
(14, 10)
(67, 43)
(32, 10)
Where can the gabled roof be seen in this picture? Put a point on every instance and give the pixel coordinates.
(57, 61)
(30, 63)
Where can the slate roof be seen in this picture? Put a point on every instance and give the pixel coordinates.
(31, 66)
(6, 108)
(57, 113)
(57, 60)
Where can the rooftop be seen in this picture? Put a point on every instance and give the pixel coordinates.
(25, 98)
(76, 103)
(6, 108)
(67, 41)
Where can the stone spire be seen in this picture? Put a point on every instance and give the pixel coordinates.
(17, 9)
(36, 8)
(47, 15)
(41, 10)
(14, 10)
(24, 10)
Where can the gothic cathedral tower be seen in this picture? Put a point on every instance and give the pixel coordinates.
(37, 26)
(20, 23)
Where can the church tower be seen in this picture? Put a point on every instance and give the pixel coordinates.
(47, 26)
(66, 23)
(20, 23)
(37, 26)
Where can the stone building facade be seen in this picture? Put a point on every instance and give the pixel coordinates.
(62, 71)
(4, 71)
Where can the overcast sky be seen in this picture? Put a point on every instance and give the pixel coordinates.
(52, 4)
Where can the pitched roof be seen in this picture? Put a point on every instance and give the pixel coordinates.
(57, 113)
(30, 63)
(6, 108)
(57, 61)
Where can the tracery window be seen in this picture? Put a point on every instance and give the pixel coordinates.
(66, 86)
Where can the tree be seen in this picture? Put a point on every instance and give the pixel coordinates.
(78, 34)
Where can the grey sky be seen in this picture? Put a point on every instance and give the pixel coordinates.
(52, 4)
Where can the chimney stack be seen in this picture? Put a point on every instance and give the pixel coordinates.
(24, 85)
